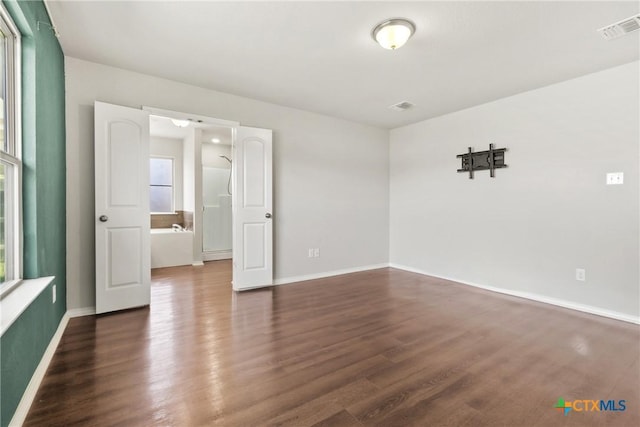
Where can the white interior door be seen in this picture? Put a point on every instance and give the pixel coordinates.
(123, 270)
(252, 209)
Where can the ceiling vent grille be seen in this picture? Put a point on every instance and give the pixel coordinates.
(620, 28)
(402, 106)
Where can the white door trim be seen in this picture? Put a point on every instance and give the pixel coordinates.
(196, 118)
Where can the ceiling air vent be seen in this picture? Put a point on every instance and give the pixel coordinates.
(620, 28)
(402, 106)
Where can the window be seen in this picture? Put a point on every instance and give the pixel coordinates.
(10, 164)
(161, 180)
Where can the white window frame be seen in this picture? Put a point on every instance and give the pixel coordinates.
(173, 184)
(14, 152)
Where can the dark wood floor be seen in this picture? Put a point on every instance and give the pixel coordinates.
(383, 347)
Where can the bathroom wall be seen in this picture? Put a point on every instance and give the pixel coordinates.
(211, 155)
(192, 163)
(167, 220)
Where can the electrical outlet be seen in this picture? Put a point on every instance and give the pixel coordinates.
(310, 252)
(53, 294)
(615, 178)
(316, 253)
(581, 274)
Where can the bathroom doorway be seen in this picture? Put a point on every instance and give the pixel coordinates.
(123, 249)
(214, 152)
(190, 191)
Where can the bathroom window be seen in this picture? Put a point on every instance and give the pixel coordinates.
(161, 180)
(10, 154)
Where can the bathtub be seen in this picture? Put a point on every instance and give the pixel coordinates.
(170, 248)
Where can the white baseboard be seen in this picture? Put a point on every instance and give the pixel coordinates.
(197, 263)
(32, 388)
(216, 256)
(531, 296)
(306, 277)
(79, 312)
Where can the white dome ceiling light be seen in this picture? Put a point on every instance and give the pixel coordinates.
(180, 123)
(393, 33)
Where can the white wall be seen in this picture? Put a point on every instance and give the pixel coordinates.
(189, 172)
(331, 188)
(197, 196)
(548, 213)
(171, 147)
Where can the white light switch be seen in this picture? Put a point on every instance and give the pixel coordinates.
(615, 178)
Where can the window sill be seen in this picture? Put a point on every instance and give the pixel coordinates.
(7, 287)
(17, 301)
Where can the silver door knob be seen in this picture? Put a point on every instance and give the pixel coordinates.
(103, 218)
(267, 215)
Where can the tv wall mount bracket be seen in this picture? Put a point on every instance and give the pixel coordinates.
(491, 160)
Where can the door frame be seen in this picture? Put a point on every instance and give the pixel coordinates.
(198, 205)
(198, 253)
(153, 111)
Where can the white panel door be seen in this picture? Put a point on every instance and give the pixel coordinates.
(252, 209)
(123, 270)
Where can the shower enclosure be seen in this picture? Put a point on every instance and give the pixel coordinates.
(216, 238)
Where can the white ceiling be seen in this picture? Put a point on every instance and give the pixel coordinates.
(319, 56)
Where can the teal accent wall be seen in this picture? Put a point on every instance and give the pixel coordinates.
(44, 200)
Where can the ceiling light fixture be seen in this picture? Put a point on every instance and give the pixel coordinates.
(180, 123)
(215, 140)
(393, 33)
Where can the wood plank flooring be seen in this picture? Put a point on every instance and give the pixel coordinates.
(377, 348)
